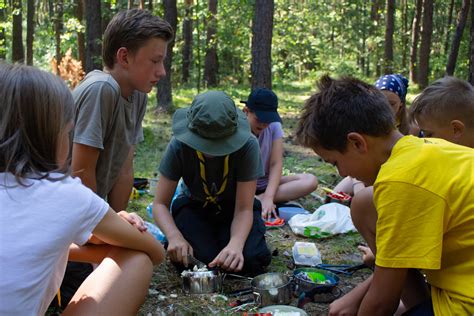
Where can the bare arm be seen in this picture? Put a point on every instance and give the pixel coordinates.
(120, 193)
(231, 257)
(84, 163)
(349, 304)
(384, 293)
(178, 247)
(115, 231)
(275, 170)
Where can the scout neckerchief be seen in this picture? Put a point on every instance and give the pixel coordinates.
(202, 172)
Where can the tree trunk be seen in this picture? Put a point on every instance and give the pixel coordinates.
(448, 31)
(164, 94)
(389, 27)
(453, 55)
(374, 12)
(471, 55)
(404, 34)
(18, 54)
(415, 36)
(141, 4)
(30, 31)
(363, 52)
(425, 46)
(150, 5)
(58, 30)
(210, 63)
(130, 4)
(93, 35)
(107, 16)
(374, 50)
(262, 28)
(80, 35)
(3, 44)
(188, 40)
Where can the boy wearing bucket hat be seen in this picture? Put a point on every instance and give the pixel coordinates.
(261, 109)
(217, 220)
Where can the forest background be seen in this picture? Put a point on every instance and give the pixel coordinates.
(254, 43)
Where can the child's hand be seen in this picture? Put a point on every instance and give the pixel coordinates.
(229, 259)
(367, 255)
(178, 250)
(134, 219)
(268, 208)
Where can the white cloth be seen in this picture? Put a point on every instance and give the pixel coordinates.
(37, 225)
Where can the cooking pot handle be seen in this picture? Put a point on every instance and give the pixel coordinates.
(258, 298)
(238, 276)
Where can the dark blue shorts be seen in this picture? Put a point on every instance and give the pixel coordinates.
(423, 309)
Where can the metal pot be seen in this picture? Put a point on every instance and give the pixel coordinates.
(202, 282)
(327, 285)
(272, 289)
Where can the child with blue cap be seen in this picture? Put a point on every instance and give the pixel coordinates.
(261, 109)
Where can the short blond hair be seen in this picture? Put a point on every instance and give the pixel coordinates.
(445, 100)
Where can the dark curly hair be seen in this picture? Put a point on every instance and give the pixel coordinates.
(341, 107)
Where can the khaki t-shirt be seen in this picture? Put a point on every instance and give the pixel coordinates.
(109, 122)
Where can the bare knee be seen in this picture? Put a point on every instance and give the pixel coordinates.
(312, 181)
(118, 285)
(308, 181)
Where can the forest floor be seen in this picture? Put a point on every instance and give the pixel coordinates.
(166, 296)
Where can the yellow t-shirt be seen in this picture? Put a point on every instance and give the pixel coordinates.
(424, 195)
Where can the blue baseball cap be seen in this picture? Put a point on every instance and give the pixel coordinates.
(264, 103)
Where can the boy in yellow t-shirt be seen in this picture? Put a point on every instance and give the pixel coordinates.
(424, 217)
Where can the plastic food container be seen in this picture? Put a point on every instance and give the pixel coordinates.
(306, 254)
(287, 212)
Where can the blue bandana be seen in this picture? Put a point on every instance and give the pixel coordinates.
(394, 83)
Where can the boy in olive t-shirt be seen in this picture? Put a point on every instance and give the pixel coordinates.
(111, 104)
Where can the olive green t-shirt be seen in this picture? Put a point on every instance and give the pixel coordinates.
(109, 122)
(180, 161)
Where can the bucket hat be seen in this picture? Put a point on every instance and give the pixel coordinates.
(264, 103)
(212, 124)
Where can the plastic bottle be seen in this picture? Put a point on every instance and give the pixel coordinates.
(155, 231)
(149, 210)
(153, 183)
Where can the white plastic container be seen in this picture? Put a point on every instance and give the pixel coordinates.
(153, 184)
(306, 254)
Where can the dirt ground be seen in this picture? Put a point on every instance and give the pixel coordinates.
(166, 297)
